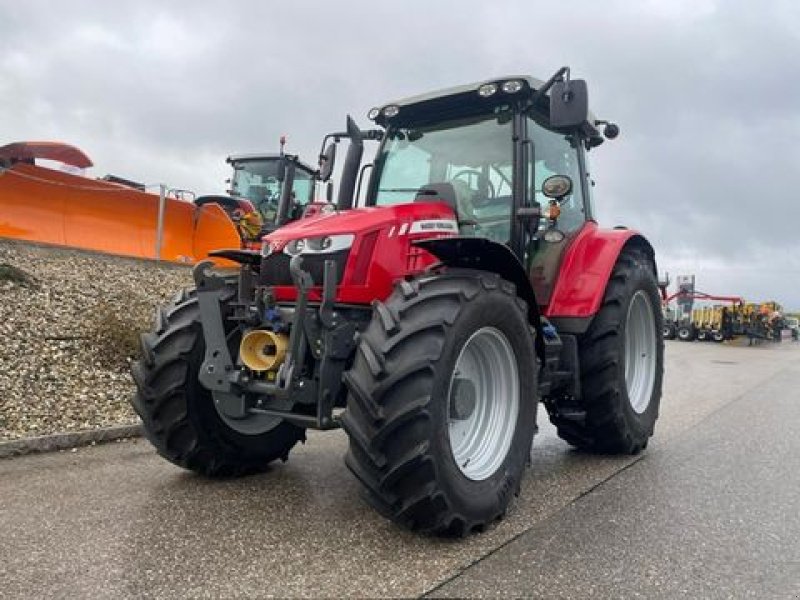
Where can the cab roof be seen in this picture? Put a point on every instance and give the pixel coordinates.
(266, 156)
(462, 98)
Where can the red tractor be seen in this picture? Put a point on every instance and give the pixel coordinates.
(429, 323)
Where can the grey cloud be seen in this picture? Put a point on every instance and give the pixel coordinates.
(706, 94)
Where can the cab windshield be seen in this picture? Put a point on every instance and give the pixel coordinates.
(465, 162)
(257, 180)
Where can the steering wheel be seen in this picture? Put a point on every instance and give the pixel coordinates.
(483, 181)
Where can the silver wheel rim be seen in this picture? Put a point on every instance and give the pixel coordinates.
(483, 403)
(640, 352)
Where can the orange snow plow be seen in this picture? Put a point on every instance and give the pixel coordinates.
(45, 205)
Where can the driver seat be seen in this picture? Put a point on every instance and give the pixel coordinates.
(457, 194)
(438, 191)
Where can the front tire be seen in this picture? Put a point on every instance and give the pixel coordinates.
(622, 364)
(442, 402)
(686, 333)
(178, 413)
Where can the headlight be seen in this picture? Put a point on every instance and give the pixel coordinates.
(512, 86)
(487, 89)
(318, 244)
(327, 244)
(295, 247)
(391, 111)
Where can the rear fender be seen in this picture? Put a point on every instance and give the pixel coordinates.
(486, 255)
(586, 269)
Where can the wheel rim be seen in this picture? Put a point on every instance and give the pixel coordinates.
(640, 352)
(483, 403)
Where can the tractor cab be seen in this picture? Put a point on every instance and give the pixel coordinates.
(493, 153)
(280, 186)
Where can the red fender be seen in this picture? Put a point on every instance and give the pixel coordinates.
(586, 268)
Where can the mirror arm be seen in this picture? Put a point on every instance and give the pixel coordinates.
(373, 134)
(558, 76)
(530, 216)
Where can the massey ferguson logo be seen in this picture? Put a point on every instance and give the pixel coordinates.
(434, 226)
(425, 226)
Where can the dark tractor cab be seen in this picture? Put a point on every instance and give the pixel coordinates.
(280, 186)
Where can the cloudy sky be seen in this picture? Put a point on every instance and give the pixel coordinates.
(707, 95)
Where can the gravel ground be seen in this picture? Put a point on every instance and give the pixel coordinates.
(69, 324)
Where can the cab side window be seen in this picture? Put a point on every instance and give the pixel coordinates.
(555, 154)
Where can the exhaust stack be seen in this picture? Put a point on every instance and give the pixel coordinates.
(352, 162)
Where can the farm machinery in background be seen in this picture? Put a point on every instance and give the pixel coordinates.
(281, 187)
(119, 216)
(793, 324)
(472, 285)
(720, 318)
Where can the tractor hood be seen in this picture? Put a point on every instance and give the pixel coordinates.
(370, 248)
(359, 221)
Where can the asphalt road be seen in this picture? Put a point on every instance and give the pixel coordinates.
(711, 509)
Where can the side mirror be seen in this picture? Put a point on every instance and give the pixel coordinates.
(557, 187)
(326, 162)
(569, 103)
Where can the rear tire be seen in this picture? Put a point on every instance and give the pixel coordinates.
(686, 333)
(178, 413)
(406, 423)
(670, 331)
(621, 404)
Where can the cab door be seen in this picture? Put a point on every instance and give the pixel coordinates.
(554, 153)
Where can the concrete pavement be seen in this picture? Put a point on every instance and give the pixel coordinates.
(119, 520)
(715, 514)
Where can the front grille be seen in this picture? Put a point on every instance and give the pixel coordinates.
(275, 270)
(275, 267)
